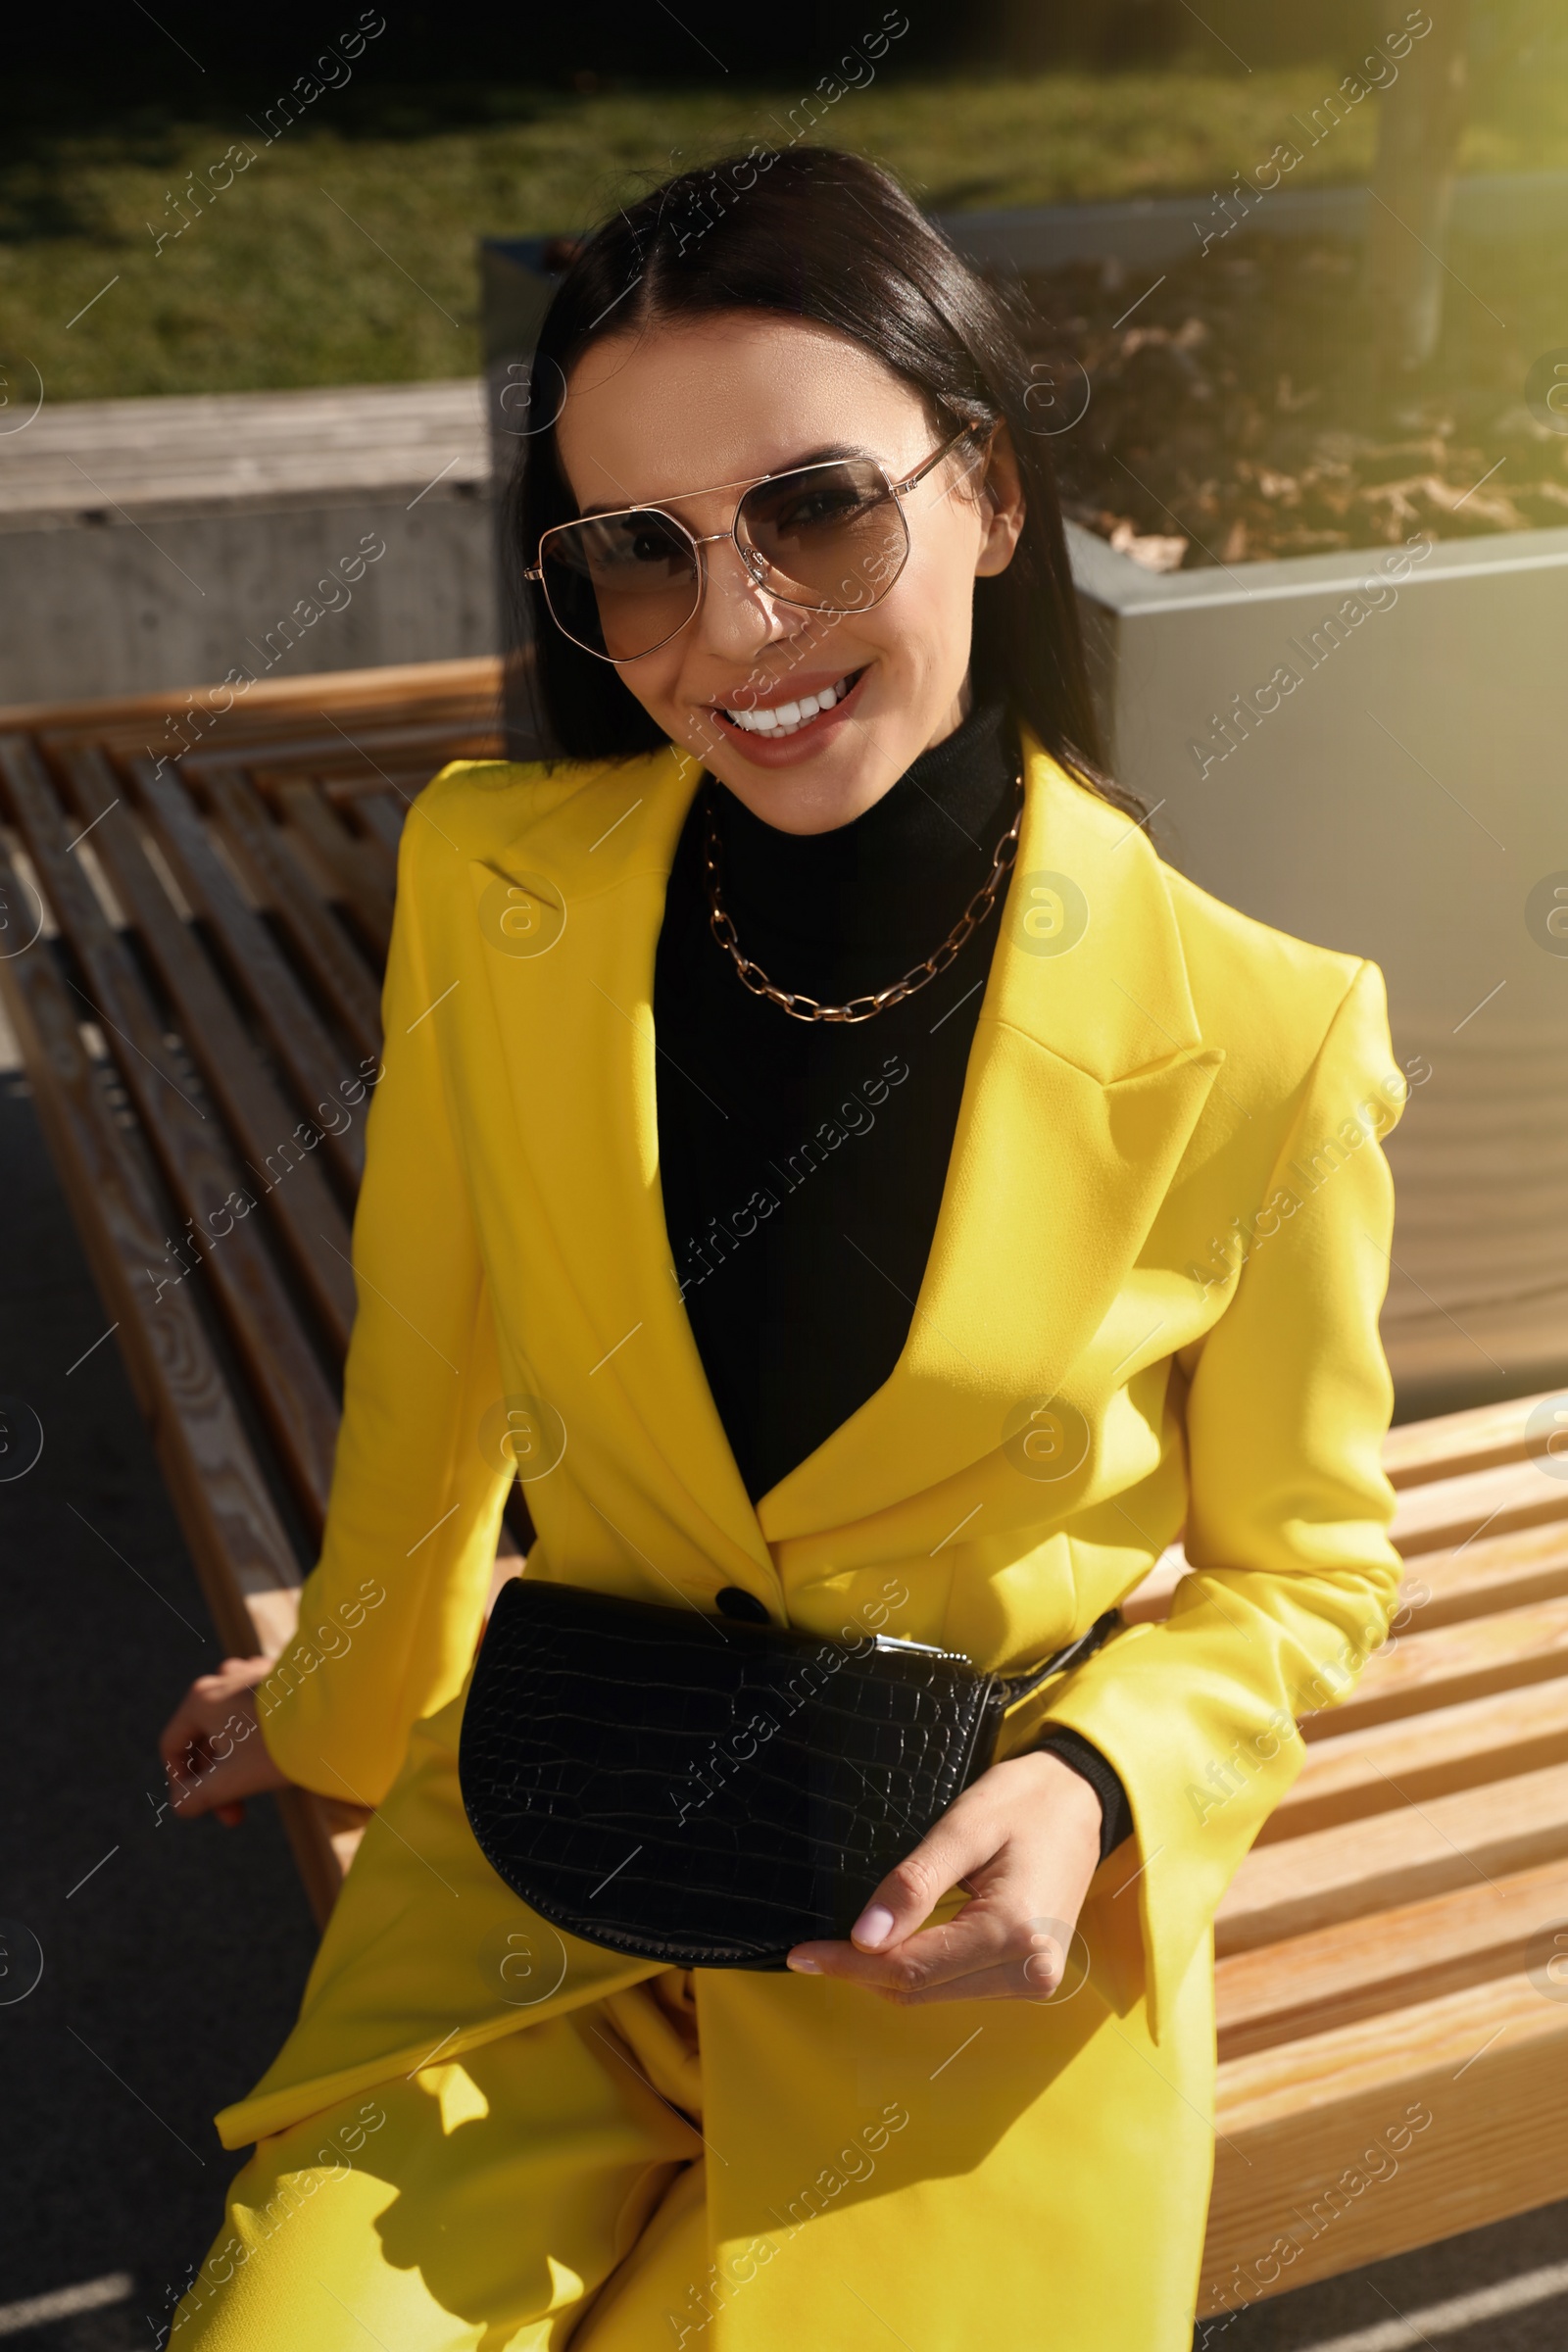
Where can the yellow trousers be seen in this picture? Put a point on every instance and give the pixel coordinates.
(546, 2189)
(554, 2187)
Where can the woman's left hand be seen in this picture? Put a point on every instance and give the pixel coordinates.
(1024, 1842)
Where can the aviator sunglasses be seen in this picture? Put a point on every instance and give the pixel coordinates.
(831, 537)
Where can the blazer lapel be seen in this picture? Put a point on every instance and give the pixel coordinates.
(576, 1030)
(1086, 1077)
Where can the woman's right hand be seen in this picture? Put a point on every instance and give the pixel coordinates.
(211, 1745)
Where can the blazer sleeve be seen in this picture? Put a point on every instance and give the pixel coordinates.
(390, 1615)
(1293, 1577)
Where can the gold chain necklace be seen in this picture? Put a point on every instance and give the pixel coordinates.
(858, 1008)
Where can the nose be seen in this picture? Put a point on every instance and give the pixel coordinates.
(737, 618)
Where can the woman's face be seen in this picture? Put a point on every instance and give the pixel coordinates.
(652, 418)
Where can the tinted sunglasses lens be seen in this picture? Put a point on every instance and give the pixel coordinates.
(619, 584)
(830, 536)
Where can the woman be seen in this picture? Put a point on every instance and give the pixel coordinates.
(943, 1314)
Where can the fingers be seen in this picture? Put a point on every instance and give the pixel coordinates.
(1050, 1968)
(191, 1720)
(962, 1843)
(193, 1794)
(975, 1939)
(233, 1675)
(1042, 1959)
(1032, 1804)
(985, 1934)
(187, 1723)
(1024, 1842)
(207, 1705)
(218, 1786)
(212, 1748)
(175, 1737)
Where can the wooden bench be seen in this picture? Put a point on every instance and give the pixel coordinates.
(1393, 1957)
(206, 984)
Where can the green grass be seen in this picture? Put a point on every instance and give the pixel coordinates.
(344, 253)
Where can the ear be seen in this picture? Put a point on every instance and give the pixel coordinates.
(1002, 506)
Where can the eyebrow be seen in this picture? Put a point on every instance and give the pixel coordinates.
(826, 455)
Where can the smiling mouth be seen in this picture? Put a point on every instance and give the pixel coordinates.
(787, 719)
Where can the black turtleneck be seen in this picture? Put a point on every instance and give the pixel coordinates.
(804, 1163)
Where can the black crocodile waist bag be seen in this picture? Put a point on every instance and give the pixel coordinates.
(706, 1792)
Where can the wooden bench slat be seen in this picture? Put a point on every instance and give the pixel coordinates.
(467, 687)
(360, 884)
(309, 1218)
(287, 1018)
(1442, 1512)
(384, 814)
(1296, 1886)
(399, 783)
(1519, 1563)
(420, 746)
(1416, 1757)
(1463, 1660)
(395, 782)
(1432, 2037)
(281, 883)
(1496, 1572)
(1388, 1960)
(1450, 1443)
(345, 798)
(378, 856)
(1300, 2132)
(202, 1174)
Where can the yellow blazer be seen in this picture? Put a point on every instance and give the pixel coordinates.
(1150, 1304)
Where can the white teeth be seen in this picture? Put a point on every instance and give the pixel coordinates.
(784, 717)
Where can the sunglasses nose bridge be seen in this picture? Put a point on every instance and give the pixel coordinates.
(755, 564)
(752, 561)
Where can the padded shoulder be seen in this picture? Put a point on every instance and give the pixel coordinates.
(1267, 998)
(480, 805)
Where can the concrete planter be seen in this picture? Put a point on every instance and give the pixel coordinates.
(1377, 762)
(162, 543)
(1368, 750)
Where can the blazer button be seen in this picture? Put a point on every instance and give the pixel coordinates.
(735, 1601)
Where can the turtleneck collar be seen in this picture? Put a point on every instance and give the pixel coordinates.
(899, 875)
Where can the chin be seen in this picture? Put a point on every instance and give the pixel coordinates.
(815, 796)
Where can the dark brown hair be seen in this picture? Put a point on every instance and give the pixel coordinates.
(812, 233)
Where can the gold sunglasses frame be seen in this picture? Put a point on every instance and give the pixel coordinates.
(749, 556)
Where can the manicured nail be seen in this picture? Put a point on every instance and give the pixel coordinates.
(801, 1966)
(872, 1927)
